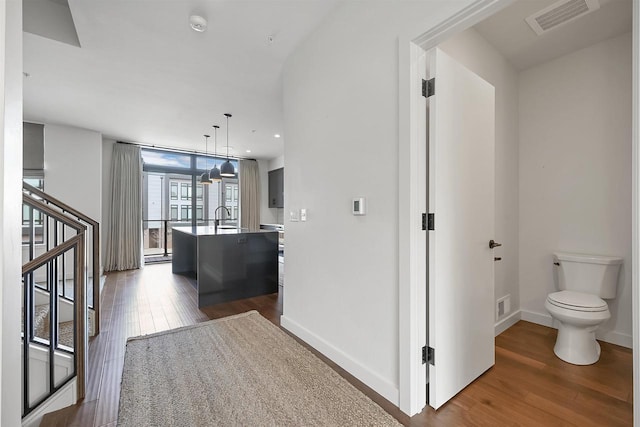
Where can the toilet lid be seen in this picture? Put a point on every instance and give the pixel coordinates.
(577, 301)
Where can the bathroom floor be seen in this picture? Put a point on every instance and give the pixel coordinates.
(530, 386)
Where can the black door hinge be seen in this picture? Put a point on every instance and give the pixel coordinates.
(428, 221)
(428, 355)
(428, 87)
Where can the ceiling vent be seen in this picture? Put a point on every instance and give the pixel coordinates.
(560, 13)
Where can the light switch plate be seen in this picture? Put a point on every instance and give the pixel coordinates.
(293, 216)
(358, 206)
(303, 214)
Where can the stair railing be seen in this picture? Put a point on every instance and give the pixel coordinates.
(51, 260)
(95, 247)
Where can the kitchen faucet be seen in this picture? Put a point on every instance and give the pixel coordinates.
(216, 221)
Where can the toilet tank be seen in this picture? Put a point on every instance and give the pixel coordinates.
(592, 274)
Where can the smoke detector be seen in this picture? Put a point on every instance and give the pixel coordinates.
(560, 13)
(198, 23)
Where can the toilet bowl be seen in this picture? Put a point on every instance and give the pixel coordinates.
(578, 315)
(579, 307)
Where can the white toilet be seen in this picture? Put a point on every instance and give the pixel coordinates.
(578, 307)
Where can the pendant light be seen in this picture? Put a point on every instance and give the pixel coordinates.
(204, 178)
(227, 169)
(214, 173)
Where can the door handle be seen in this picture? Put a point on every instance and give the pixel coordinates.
(493, 244)
(497, 258)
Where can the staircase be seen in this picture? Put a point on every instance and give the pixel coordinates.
(59, 243)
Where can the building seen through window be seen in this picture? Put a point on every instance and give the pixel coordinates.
(38, 218)
(169, 199)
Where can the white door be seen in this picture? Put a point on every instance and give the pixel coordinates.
(461, 195)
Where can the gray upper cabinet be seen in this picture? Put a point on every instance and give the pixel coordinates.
(276, 188)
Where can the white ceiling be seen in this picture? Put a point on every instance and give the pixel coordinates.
(143, 75)
(508, 32)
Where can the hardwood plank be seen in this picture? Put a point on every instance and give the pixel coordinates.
(79, 415)
(109, 396)
(95, 363)
(528, 386)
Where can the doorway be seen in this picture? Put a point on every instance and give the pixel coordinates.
(412, 391)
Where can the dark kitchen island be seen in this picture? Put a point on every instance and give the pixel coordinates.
(227, 264)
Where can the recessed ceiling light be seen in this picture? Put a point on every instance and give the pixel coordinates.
(198, 23)
(248, 151)
(277, 135)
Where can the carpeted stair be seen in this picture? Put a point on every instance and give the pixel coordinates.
(41, 325)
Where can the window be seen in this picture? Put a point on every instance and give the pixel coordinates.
(185, 191)
(174, 191)
(185, 213)
(228, 193)
(38, 217)
(35, 182)
(204, 163)
(230, 198)
(165, 159)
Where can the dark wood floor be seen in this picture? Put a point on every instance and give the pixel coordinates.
(528, 386)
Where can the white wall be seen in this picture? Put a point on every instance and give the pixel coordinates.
(276, 163)
(341, 123)
(73, 167)
(474, 52)
(575, 172)
(50, 19)
(11, 209)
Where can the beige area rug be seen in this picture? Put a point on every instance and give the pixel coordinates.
(236, 371)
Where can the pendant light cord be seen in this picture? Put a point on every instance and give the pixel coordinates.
(227, 115)
(206, 149)
(215, 144)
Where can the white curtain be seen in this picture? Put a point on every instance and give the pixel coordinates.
(124, 243)
(249, 195)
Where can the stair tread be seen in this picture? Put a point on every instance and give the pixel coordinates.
(41, 325)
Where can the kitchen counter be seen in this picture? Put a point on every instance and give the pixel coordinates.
(209, 230)
(228, 264)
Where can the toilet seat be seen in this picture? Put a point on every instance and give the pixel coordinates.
(577, 301)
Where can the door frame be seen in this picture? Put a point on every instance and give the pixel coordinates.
(412, 194)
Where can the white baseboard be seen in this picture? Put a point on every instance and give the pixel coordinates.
(380, 385)
(507, 322)
(612, 337)
(64, 397)
(543, 319)
(617, 338)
